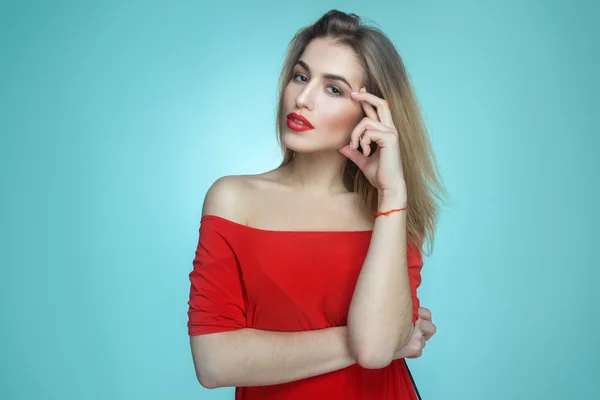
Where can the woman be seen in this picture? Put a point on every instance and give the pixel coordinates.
(297, 290)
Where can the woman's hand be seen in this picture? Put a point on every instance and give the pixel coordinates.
(423, 331)
(384, 168)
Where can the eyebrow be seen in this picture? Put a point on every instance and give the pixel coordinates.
(326, 76)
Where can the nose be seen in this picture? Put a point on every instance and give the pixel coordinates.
(305, 98)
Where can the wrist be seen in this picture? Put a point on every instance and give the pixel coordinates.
(396, 197)
(391, 200)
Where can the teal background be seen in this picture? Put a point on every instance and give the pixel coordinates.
(117, 116)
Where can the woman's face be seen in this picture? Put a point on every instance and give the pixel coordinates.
(320, 92)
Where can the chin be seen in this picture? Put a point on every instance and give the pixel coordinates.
(307, 142)
(297, 144)
(305, 146)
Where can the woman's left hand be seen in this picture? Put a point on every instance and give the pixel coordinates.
(384, 168)
(427, 326)
(423, 330)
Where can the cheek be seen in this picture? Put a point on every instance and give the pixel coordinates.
(289, 97)
(341, 120)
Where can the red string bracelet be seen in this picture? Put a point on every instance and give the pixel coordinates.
(378, 213)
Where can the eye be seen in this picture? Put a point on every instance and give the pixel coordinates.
(337, 91)
(296, 75)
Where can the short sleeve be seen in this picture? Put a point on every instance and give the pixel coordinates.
(216, 302)
(415, 264)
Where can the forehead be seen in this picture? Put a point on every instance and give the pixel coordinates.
(324, 57)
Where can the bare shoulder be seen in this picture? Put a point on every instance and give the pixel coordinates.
(232, 196)
(224, 196)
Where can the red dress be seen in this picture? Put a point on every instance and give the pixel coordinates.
(246, 277)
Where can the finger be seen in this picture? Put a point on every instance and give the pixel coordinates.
(428, 328)
(372, 149)
(362, 126)
(369, 110)
(372, 136)
(365, 141)
(381, 105)
(354, 155)
(424, 313)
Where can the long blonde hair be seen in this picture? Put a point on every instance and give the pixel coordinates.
(386, 77)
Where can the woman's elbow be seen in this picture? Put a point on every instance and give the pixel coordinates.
(207, 377)
(374, 360)
(375, 357)
(206, 361)
(207, 382)
(371, 357)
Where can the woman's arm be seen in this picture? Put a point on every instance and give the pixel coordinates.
(380, 313)
(252, 357)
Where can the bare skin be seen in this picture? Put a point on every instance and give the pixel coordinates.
(250, 357)
(306, 194)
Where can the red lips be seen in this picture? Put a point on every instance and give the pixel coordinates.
(299, 127)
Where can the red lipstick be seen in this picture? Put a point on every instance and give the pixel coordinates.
(302, 126)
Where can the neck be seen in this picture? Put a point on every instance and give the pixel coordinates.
(318, 173)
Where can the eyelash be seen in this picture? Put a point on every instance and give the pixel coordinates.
(340, 93)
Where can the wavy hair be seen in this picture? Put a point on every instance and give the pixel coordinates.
(385, 77)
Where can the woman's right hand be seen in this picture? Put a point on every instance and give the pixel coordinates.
(423, 331)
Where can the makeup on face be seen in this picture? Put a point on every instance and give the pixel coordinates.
(326, 76)
(319, 112)
(298, 123)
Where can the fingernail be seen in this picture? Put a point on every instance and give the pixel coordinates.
(355, 92)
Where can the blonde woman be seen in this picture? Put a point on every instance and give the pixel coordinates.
(305, 277)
